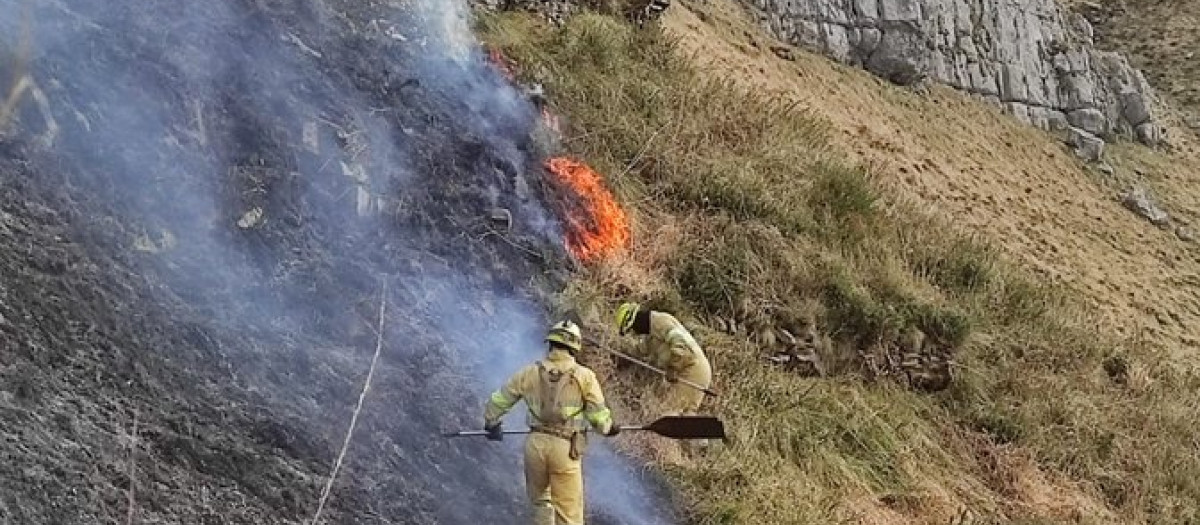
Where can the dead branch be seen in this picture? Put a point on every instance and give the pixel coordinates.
(132, 468)
(337, 465)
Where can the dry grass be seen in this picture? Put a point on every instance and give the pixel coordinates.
(742, 208)
(985, 173)
(131, 507)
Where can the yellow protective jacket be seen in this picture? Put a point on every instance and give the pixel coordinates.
(671, 347)
(580, 399)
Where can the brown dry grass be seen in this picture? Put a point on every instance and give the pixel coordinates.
(776, 189)
(989, 175)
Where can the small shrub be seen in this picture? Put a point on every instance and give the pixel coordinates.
(880, 314)
(962, 266)
(948, 325)
(1021, 301)
(853, 312)
(1001, 428)
(843, 203)
(1117, 368)
(713, 277)
(840, 192)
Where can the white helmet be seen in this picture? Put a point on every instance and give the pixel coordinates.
(566, 333)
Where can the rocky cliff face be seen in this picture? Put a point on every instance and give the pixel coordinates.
(1031, 57)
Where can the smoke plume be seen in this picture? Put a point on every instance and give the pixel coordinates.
(263, 166)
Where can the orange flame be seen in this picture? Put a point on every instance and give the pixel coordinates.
(601, 228)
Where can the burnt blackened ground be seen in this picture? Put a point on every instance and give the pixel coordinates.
(235, 424)
(128, 291)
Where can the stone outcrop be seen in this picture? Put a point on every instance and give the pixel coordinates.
(1031, 57)
(1141, 202)
(1087, 146)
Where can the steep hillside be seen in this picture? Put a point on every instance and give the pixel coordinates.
(220, 223)
(794, 193)
(994, 177)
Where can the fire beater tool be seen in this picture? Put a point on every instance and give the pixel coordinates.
(674, 427)
(652, 368)
(657, 369)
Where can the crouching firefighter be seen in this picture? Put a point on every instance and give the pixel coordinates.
(672, 348)
(563, 398)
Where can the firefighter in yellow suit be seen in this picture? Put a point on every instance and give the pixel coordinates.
(671, 347)
(563, 398)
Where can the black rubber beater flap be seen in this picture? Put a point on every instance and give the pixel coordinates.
(685, 427)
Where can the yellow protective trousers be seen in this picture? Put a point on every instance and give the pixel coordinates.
(553, 480)
(683, 399)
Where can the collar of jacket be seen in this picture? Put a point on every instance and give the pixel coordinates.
(560, 357)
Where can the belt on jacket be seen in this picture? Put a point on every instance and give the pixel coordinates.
(574, 437)
(561, 432)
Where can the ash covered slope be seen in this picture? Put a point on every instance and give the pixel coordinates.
(198, 204)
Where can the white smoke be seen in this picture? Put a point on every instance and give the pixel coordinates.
(451, 21)
(206, 123)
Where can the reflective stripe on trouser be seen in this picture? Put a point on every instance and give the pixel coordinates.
(553, 481)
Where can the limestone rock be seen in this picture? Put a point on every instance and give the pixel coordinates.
(1090, 120)
(1141, 202)
(899, 58)
(1087, 146)
(1033, 58)
(1082, 27)
(1134, 108)
(1018, 110)
(868, 41)
(1185, 234)
(1149, 134)
(1057, 121)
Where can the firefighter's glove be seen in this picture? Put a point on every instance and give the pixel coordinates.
(616, 429)
(493, 432)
